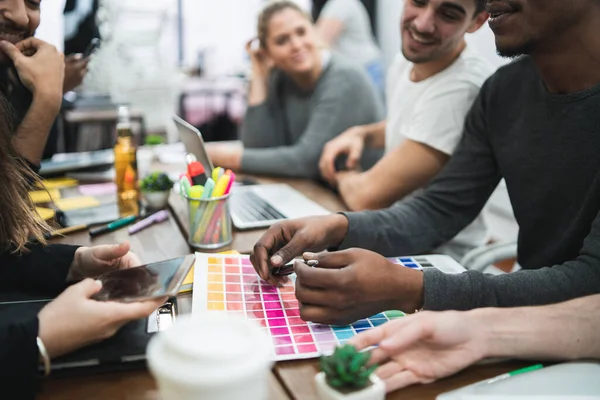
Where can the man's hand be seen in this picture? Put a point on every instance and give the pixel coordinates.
(424, 347)
(350, 142)
(74, 320)
(75, 69)
(90, 262)
(352, 284)
(288, 239)
(40, 66)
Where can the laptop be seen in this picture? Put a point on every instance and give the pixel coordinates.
(252, 206)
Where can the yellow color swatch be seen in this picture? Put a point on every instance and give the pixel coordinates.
(58, 183)
(75, 203)
(43, 196)
(187, 284)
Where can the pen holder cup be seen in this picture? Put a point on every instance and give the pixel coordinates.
(210, 222)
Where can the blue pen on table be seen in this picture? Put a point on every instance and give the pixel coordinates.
(113, 226)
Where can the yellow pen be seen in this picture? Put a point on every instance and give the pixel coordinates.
(217, 172)
(221, 185)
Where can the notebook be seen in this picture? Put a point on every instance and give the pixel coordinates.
(65, 162)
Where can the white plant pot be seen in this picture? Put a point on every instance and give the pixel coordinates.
(156, 200)
(374, 392)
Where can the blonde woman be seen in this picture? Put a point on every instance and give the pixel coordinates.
(300, 97)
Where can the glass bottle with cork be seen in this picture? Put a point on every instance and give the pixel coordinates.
(126, 172)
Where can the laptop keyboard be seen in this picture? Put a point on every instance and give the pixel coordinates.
(249, 207)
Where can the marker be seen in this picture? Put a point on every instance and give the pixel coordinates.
(231, 180)
(221, 186)
(288, 268)
(184, 185)
(146, 222)
(511, 373)
(65, 231)
(112, 226)
(190, 158)
(216, 173)
(196, 173)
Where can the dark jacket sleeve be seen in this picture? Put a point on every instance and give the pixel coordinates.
(19, 357)
(472, 289)
(42, 270)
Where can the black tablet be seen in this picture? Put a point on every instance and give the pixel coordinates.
(150, 281)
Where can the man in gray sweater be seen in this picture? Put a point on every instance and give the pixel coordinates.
(536, 123)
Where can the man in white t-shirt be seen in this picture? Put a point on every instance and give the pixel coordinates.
(430, 89)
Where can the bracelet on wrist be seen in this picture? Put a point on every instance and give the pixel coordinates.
(43, 355)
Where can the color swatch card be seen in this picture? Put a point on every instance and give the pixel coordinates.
(228, 283)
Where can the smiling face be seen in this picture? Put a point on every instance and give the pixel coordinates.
(291, 42)
(524, 26)
(432, 29)
(18, 20)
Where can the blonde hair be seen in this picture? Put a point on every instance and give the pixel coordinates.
(19, 222)
(267, 14)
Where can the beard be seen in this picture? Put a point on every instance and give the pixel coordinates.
(514, 51)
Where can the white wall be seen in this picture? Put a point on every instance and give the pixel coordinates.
(51, 27)
(221, 28)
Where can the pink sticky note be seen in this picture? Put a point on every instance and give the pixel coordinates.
(98, 189)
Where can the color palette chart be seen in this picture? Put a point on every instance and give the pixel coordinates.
(228, 283)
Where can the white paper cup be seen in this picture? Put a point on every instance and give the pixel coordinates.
(211, 356)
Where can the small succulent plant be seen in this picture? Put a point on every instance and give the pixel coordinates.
(152, 140)
(156, 182)
(346, 369)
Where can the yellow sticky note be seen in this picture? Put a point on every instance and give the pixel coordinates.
(74, 203)
(58, 183)
(45, 213)
(43, 196)
(188, 282)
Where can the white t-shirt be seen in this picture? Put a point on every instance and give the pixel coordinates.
(433, 112)
(356, 39)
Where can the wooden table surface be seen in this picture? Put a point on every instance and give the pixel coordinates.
(290, 379)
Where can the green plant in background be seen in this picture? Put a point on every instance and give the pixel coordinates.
(156, 182)
(152, 140)
(346, 369)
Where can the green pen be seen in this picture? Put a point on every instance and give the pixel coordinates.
(112, 226)
(513, 373)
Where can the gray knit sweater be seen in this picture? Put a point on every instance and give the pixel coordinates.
(285, 134)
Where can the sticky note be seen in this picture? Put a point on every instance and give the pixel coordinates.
(43, 196)
(74, 203)
(59, 183)
(45, 213)
(98, 189)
